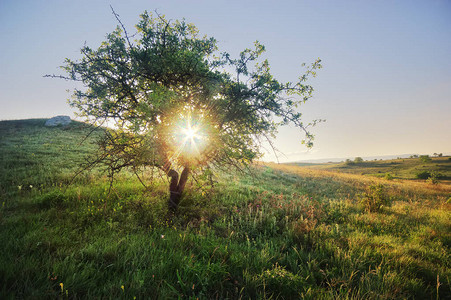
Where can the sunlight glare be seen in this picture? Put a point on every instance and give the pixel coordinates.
(189, 137)
(190, 133)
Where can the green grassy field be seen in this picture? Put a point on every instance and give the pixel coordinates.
(279, 232)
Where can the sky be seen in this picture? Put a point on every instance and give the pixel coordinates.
(384, 89)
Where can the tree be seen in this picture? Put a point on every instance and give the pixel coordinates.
(358, 160)
(179, 105)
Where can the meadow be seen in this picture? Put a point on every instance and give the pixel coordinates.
(275, 232)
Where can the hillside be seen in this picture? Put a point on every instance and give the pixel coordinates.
(404, 168)
(277, 232)
(35, 155)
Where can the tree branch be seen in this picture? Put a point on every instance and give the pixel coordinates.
(123, 27)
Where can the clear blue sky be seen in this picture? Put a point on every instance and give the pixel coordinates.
(385, 87)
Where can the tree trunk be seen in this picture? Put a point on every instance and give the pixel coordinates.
(176, 187)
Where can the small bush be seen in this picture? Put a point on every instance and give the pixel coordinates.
(388, 176)
(349, 162)
(434, 177)
(375, 198)
(431, 176)
(425, 158)
(433, 180)
(423, 175)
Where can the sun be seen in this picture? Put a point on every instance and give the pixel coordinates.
(190, 133)
(189, 137)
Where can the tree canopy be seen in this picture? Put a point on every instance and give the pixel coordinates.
(177, 103)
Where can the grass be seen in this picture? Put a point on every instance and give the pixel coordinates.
(281, 232)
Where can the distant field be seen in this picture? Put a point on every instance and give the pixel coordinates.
(276, 232)
(405, 168)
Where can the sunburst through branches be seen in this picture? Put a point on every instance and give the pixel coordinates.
(191, 135)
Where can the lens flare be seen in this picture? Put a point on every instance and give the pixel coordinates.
(191, 135)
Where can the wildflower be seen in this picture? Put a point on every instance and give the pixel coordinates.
(31, 186)
(162, 236)
(123, 288)
(62, 286)
(19, 187)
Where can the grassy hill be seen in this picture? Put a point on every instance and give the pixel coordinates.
(279, 232)
(404, 168)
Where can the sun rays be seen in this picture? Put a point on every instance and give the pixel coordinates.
(189, 136)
